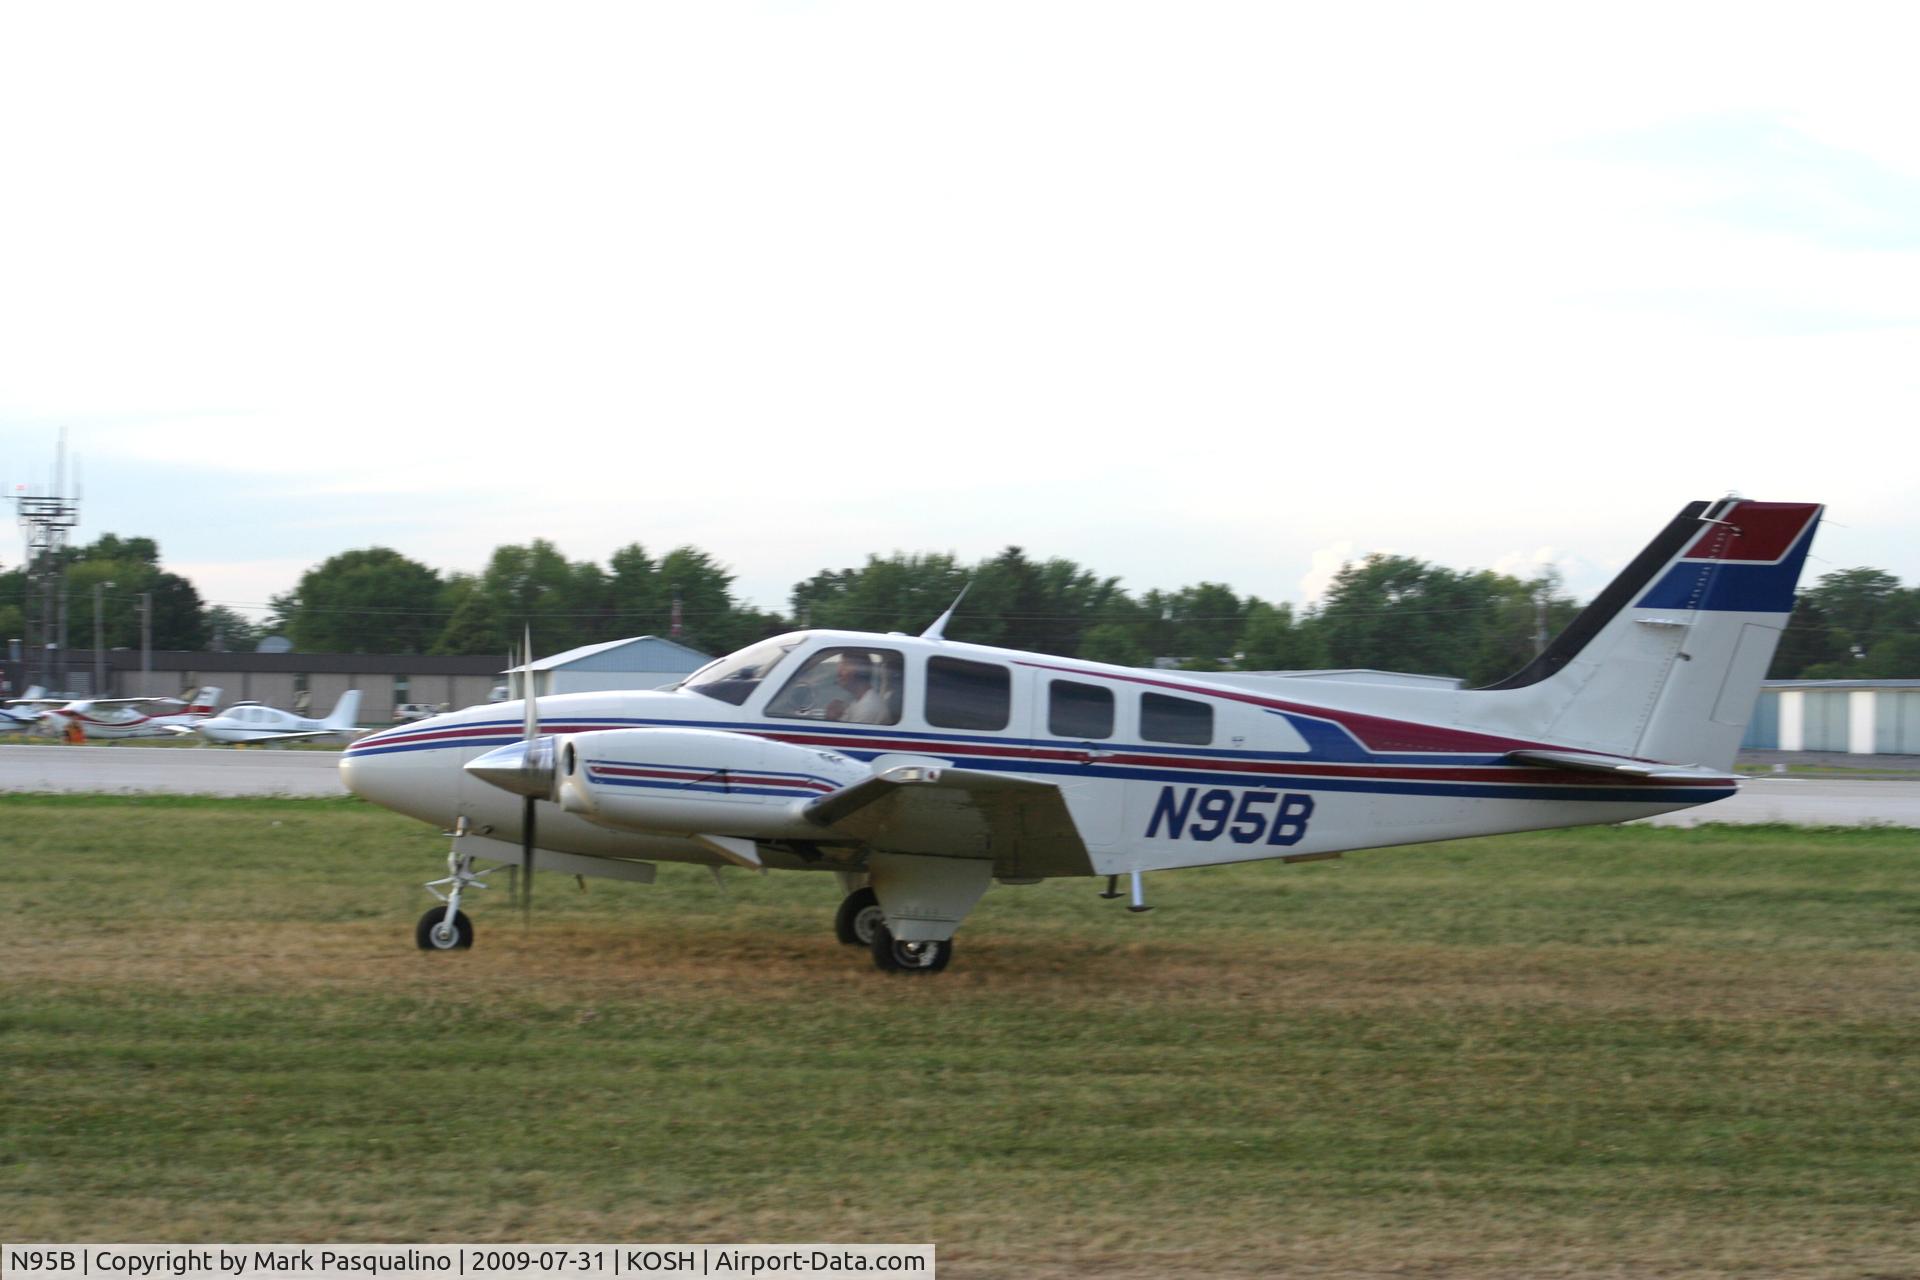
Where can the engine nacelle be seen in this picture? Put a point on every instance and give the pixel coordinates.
(697, 781)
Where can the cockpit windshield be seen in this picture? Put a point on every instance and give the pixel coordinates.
(735, 677)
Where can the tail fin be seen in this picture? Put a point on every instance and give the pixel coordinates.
(204, 701)
(1666, 663)
(346, 712)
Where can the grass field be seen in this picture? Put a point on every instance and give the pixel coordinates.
(1627, 1052)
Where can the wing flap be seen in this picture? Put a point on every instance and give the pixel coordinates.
(935, 809)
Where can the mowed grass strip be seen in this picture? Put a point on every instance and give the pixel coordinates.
(1610, 1052)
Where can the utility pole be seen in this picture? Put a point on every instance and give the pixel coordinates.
(99, 639)
(146, 642)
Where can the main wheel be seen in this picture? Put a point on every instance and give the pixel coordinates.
(908, 957)
(433, 933)
(859, 912)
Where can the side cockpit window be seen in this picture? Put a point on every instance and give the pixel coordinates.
(853, 685)
(1164, 719)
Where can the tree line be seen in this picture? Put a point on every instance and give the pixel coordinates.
(1389, 612)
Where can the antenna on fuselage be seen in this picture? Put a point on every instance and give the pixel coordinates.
(938, 630)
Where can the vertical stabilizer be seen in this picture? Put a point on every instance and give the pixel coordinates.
(1666, 663)
(346, 712)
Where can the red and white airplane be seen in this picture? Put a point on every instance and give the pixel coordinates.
(111, 718)
(24, 712)
(920, 770)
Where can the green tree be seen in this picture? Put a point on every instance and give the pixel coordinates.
(132, 566)
(535, 586)
(1274, 640)
(1809, 641)
(372, 600)
(230, 632)
(896, 593)
(1115, 642)
(1399, 613)
(473, 624)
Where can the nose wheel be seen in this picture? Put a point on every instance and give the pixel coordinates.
(444, 930)
(447, 928)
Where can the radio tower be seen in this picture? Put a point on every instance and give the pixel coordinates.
(45, 521)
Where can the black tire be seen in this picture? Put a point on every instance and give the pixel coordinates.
(854, 922)
(430, 937)
(908, 957)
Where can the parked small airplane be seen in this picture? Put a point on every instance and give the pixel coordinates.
(110, 718)
(920, 770)
(248, 722)
(24, 712)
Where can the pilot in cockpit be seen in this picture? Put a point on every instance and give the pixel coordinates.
(857, 699)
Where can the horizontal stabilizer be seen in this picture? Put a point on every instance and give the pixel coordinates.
(1594, 762)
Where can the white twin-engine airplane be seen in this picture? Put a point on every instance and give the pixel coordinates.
(109, 718)
(919, 770)
(247, 722)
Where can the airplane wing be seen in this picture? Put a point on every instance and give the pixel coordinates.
(311, 733)
(1596, 762)
(936, 809)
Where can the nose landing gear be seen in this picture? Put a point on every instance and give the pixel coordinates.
(447, 928)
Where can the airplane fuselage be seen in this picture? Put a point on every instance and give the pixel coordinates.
(1156, 769)
(109, 723)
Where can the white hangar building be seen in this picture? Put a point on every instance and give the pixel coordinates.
(643, 662)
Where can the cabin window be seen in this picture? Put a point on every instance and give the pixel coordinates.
(1164, 719)
(968, 695)
(1076, 710)
(853, 685)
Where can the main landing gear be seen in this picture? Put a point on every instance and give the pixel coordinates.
(860, 922)
(931, 895)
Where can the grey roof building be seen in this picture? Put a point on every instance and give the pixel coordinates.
(643, 662)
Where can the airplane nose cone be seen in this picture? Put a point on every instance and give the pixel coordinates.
(524, 768)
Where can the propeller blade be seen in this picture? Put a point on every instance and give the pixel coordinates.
(526, 859)
(526, 687)
(526, 810)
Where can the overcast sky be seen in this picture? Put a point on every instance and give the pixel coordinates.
(1182, 292)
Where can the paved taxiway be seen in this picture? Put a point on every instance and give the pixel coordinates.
(1816, 802)
(1813, 801)
(171, 771)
